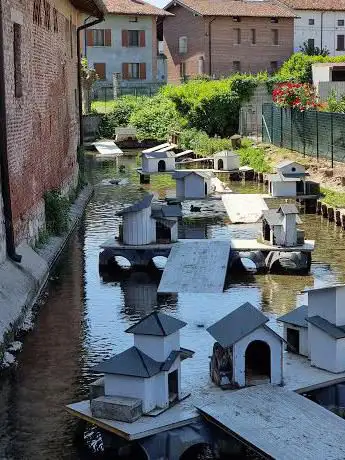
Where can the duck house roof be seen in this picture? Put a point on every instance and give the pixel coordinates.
(158, 324)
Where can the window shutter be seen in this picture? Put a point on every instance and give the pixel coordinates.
(89, 37)
(100, 70)
(142, 71)
(125, 71)
(125, 38)
(107, 37)
(142, 38)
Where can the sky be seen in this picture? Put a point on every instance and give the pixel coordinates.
(159, 3)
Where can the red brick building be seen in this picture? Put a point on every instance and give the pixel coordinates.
(219, 37)
(39, 97)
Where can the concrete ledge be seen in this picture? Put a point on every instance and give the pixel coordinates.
(117, 408)
(96, 389)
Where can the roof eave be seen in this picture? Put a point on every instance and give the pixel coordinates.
(177, 2)
(94, 7)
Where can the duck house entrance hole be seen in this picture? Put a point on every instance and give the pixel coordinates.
(258, 362)
(173, 385)
(161, 166)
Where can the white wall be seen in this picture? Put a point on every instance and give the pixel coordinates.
(139, 227)
(290, 229)
(150, 165)
(115, 55)
(323, 303)
(174, 232)
(279, 235)
(321, 73)
(279, 189)
(323, 350)
(292, 168)
(303, 31)
(303, 338)
(158, 348)
(340, 313)
(239, 351)
(122, 385)
(194, 186)
(229, 162)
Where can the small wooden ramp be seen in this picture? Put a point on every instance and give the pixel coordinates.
(278, 423)
(107, 148)
(244, 208)
(196, 266)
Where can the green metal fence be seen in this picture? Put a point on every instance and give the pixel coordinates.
(318, 134)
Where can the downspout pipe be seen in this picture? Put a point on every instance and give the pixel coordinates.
(80, 90)
(4, 177)
(321, 32)
(210, 46)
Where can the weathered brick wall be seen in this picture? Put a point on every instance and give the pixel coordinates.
(2, 232)
(42, 124)
(224, 50)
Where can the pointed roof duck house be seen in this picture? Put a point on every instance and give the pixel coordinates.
(226, 160)
(147, 375)
(289, 179)
(158, 161)
(147, 222)
(193, 184)
(295, 326)
(247, 351)
(279, 226)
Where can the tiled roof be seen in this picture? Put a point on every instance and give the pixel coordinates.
(263, 8)
(94, 7)
(321, 5)
(134, 7)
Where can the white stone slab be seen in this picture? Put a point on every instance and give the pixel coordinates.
(254, 245)
(184, 153)
(107, 148)
(280, 423)
(156, 148)
(244, 208)
(196, 266)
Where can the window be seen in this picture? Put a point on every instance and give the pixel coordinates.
(17, 38)
(98, 37)
(237, 36)
(133, 38)
(253, 36)
(236, 19)
(46, 9)
(134, 71)
(236, 66)
(311, 43)
(274, 20)
(100, 70)
(275, 37)
(340, 43)
(311, 22)
(183, 45)
(135, 19)
(55, 20)
(274, 66)
(182, 69)
(36, 16)
(340, 22)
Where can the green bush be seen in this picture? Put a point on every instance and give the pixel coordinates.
(254, 157)
(156, 118)
(56, 212)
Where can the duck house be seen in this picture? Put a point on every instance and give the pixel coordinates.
(192, 184)
(279, 226)
(158, 161)
(226, 160)
(289, 180)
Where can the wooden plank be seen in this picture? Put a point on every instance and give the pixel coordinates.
(180, 415)
(184, 153)
(157, 147)
(280, 423)
(244, 208)
(196, 266)
(107, 147)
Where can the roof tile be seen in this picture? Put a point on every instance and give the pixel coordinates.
(134, 7)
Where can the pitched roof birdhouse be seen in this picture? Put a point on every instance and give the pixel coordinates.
(193, 184)
(289, 179)
(279, 226)
(226, 160)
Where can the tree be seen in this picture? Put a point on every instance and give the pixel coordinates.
(312, 50)
(88, 78)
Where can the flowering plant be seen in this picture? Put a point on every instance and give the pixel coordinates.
(300, 96)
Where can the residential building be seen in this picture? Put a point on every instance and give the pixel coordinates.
(319, 24)
(39, 107)
(124, 48)
(219, 38)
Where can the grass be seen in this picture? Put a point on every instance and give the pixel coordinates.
(255, 157)
(333, 198)
(103, 106)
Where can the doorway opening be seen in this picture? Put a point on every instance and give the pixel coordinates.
(266, 230)
(258, 363)
(163, 233)
(173, 386)
(220, 164)
(205, 188)
(292, 337)
(161, 166)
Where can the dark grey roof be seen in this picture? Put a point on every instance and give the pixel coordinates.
(138, 206)
(288, 209)
(287, 163)
(272, 217)
(237, 324)
(323, 288)
(337, 332)
(296, 317)
(156, 323)
(131, 362)
(166, 210)
(170, 360)
(181, 174)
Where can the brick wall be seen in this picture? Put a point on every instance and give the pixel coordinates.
(42, 124)
(2, 232)
(224, 49)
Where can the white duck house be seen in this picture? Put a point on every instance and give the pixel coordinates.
(247, 351)
(279, 226)
(150, 371)
(289, 180)
(191, 184)
(158, 161)
(226, 160)
(145, 222)
(318, 330)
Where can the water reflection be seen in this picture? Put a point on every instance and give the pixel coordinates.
(85, 315)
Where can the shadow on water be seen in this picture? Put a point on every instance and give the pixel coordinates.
(85, 313)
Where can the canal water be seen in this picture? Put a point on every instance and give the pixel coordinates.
(83, 314)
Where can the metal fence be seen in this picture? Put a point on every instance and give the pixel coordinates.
(318, 134)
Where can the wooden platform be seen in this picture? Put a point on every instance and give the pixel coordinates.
(244, 208)
(196, 266)
(279, 423)
(107, 148)
(254, 245)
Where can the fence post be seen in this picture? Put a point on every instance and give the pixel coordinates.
(272, 124)
(291, 114)
(317, 136)
(303, 116)
(332, 140)
(281, 127)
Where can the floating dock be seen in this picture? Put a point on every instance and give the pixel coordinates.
(196, 266)
(107, 149)
(244, 208)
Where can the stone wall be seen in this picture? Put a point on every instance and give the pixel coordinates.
(42, 123)
(251, 112)
(2, 232)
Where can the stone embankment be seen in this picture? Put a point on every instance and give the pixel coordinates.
(21, 284)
